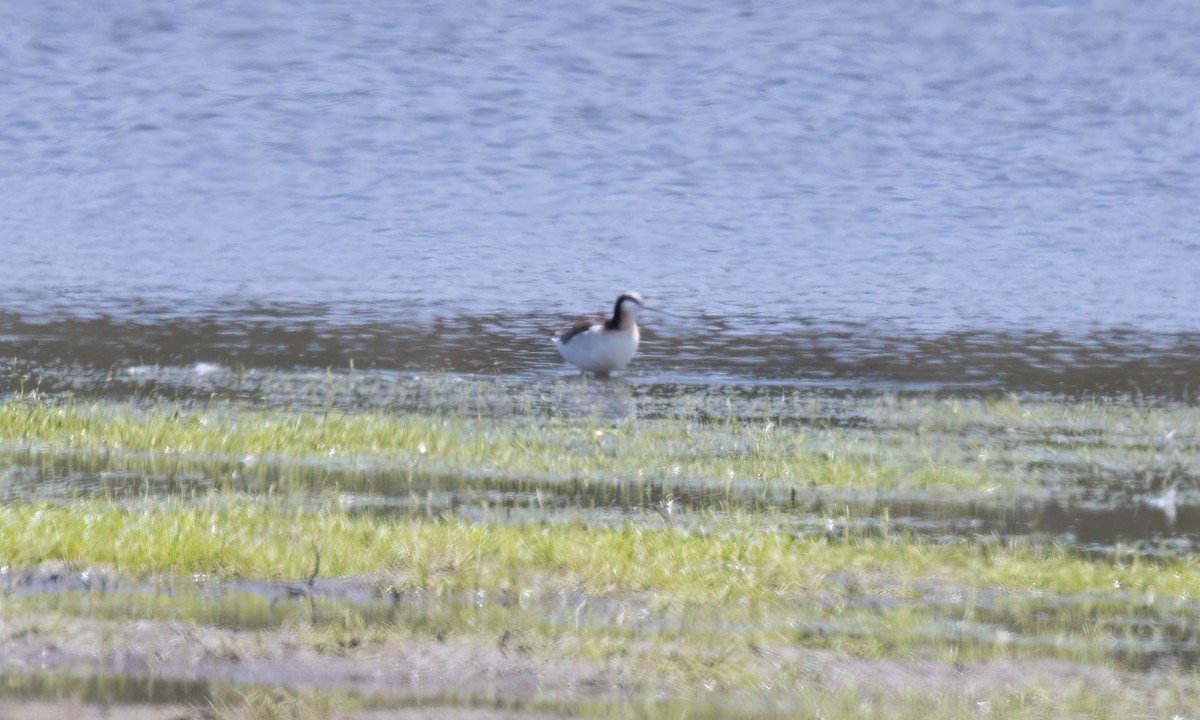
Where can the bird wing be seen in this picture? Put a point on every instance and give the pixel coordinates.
(581, 326)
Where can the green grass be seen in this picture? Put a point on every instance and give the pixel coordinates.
(718, 611)
(715, 599)
(719, 453)
(1016, 447)
(232, 536)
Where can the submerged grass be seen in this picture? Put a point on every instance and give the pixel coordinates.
(718, 599)
(738, 607)
(724, 452)
(1014, 446)
(733, 561)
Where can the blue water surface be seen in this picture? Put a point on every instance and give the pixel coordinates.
(907, 168)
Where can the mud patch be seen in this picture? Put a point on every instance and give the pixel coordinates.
(455, 680)
(404, 671)
(57, 710)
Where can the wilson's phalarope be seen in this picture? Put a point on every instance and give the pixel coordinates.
(601, 345)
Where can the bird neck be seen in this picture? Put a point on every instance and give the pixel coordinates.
(620, 319)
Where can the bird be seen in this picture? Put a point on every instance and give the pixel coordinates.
(603, 345)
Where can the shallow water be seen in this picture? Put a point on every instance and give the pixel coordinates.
(114, 356)
(936, 195)
(1093, 474)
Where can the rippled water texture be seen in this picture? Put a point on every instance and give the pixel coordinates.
(948, 250)
(908, 169)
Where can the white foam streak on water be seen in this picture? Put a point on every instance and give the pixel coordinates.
(923, 166)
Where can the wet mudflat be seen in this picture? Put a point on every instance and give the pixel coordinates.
(358, 540)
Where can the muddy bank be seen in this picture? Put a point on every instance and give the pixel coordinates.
(431, 677)
(407, 670)
(56, 710)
